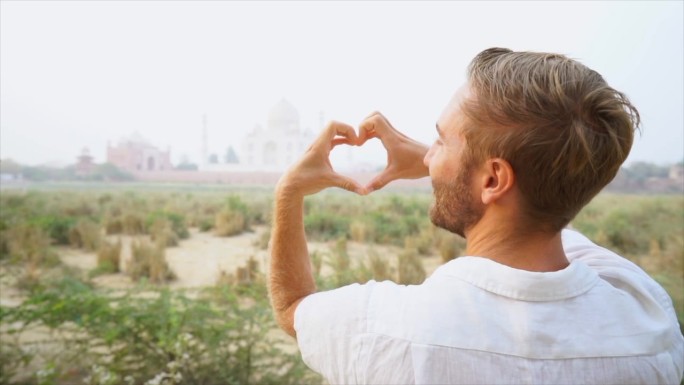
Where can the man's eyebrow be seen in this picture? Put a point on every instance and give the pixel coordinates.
(439, 130)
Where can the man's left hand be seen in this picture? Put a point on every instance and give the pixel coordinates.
(313, 172)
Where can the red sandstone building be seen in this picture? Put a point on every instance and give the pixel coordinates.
(136, 154)
(84, 164)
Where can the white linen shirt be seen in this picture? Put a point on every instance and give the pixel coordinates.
(601, 320)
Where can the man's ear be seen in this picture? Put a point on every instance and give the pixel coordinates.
(497, 179)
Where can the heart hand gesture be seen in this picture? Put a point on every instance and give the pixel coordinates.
(404, 155)
(313, 172)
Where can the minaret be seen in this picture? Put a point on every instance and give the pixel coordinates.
(205, 151)
(321, 121)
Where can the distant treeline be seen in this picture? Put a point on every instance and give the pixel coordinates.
(645, 177)
(638, 177)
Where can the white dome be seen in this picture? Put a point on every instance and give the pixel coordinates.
(283, 116)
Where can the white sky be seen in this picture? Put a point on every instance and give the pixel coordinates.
(77, 74)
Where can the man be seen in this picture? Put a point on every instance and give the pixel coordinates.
(527, 142)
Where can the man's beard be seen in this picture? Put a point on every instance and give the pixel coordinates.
(454, 208)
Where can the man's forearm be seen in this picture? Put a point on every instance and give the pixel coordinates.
(290, 275)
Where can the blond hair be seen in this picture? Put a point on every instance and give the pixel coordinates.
(564, 131)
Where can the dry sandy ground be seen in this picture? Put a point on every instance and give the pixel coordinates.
(199, 260)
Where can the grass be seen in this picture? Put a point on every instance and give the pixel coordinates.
(645, 229)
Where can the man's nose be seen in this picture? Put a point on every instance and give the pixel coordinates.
(428, 156)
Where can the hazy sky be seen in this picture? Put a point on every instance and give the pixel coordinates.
(79, 74)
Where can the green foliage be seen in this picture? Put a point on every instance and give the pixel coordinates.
(213, 338)
(108, 335)
(326, 225)
(629, 223)
(176, 221)
(57, 227)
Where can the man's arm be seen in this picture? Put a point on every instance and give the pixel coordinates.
(290, 274)
(291, 279)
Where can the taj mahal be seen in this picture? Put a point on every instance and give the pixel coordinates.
(270, 148)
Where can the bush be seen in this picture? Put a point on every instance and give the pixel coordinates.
(341, 264)
(148, 261)
(246, 275)
(213, 338)
(379, 267)
(358, 231)
(29, 244)
(176, 222)
(229, 222)
(132, 224)
(161, 232)
(450, 245)
(57, 227)
(109, 257)
(85, 234)
(326, 225)
(411, 270)
(263, 240)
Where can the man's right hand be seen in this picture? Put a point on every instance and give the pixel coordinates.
(404, 155)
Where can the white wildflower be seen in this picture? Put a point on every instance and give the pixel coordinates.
(157, 380)
(172, 365)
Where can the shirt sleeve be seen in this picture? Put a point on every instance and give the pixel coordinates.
(329, 328)
(618, 272)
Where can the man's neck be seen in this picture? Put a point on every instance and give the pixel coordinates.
(519, 249)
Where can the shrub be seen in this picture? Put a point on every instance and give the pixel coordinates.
(263, 240)
(85, 234)
(176, 222)
(229, 222)
(108, 257)
(246, 275)
(450, 245)
(113, 225)
(213, 338)
(132, 224)
(316, 263)
(379, 267)
(341, 264)
(326, 225)
(161, 232)
(56, 227)
(358, 231)
(206, 224)
(148, 260)
(27, 243)
(411, 270)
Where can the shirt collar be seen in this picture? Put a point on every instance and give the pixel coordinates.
(523, 285)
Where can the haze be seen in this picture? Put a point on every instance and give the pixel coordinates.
(80, 74)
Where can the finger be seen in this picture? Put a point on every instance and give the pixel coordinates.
(367, 128)
(347, 183)
(379, 181)
(376, 126)
(335, 129)
(337, 141)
